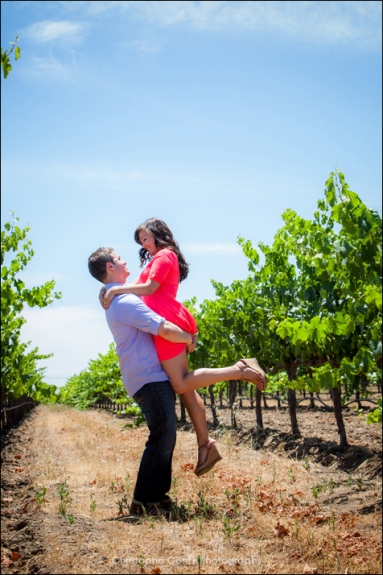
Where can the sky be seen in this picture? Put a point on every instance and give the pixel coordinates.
(212, 116)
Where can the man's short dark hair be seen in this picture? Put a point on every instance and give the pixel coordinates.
(97, 263)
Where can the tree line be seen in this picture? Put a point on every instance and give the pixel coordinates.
(311, 311)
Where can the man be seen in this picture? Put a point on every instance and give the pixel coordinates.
(132, 324)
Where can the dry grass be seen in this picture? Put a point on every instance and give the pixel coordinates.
(257, 513)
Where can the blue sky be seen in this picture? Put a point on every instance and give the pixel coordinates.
(213, 116)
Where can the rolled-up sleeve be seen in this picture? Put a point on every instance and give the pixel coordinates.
(132, 311)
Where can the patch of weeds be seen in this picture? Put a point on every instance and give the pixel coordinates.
(148, 517)
(291, 475)
(315, 491)
(141, 563)
(233, 497)
(174, 489)
(122, 503)
(127, 482)
(199, 561)
(65, 501)
(247, 495)
(357, 482)
(40, 493)
(307, 463)
(116, 485)
(203, 507)
(230, 517)
(230, 525)
(139, 419)
(93, 503)
(323, 487)
(198, 525)
(182, 511)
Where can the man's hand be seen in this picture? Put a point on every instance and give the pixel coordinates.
(193, 345)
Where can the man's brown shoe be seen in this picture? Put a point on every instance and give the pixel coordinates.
(153, 509)
(166, 503)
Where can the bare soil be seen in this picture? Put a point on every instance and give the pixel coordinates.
(277, 503)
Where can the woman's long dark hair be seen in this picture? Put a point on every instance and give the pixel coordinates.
(163, 238)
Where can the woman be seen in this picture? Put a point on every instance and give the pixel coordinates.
(157, 286)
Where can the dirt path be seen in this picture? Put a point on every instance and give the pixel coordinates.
(264, 511)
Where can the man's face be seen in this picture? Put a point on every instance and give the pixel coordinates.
(118, 271)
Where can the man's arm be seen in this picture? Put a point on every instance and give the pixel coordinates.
(132, 311)
(172, 333)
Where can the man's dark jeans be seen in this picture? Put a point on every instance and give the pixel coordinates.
(157, 401)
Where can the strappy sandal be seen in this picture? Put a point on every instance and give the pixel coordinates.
(258, 377)
(213, 456)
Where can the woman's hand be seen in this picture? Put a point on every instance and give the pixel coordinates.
(192, 346)
(106, 297)
(101, 297)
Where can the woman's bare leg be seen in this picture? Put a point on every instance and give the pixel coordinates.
(197, 413)
(192, 400)
(183, 381)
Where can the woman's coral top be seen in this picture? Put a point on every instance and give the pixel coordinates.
(164, 269)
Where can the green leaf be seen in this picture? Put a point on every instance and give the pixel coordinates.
(331, 192)
(317, 329)
(5, 64)
(376, 415)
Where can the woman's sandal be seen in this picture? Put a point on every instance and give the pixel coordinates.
(258, 377)
(213, 456)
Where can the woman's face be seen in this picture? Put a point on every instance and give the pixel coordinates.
(147, 242)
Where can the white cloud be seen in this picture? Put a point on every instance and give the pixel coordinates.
(50, 68)
(74, 334)
(212, 248)
(48, 31)
(313, 21)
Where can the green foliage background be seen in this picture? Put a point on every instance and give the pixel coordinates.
(316, 299)
(20, 374)
(311, 312)
(101, 379)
